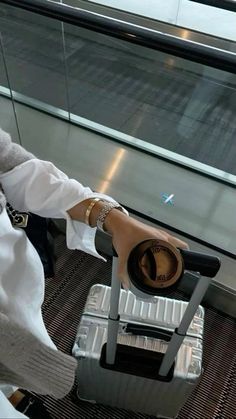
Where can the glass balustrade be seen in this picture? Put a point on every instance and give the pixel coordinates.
(8, 120)
(182, 13)
(166, 105)
(35, 57)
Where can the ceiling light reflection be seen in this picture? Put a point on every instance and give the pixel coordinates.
(112, 170)
(185, 34)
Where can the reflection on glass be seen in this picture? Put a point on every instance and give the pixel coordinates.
(180, 106)
(34, 55)
(7, 115)
(3, 75)
(185, 34)
(112, 170)
(183, 13)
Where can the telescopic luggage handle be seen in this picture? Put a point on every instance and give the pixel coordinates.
(206, 265)
(155, 266)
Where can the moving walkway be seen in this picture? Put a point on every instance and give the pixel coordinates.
(152, 112)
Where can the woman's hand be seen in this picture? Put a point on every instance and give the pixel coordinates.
(127, 233)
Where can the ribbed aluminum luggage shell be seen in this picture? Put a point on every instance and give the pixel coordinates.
(158, 311)
(133, 392)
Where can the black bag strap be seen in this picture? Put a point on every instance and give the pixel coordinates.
(18, 219)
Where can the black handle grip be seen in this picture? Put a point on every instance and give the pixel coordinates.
(149, 331)
(206, 265)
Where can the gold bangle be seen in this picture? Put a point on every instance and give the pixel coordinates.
(89, 209)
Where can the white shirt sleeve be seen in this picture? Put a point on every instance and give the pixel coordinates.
(7, 411)
(39, 187)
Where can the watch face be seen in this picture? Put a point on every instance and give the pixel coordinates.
(157, 265)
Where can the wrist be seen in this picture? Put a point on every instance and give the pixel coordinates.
(108, 207)
(100, 213)
(115, 220)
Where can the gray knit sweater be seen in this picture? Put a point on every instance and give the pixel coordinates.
(24, 360)
(11, 155)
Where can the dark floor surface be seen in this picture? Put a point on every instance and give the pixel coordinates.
(213, 398)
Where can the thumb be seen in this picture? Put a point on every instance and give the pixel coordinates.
(122, 274)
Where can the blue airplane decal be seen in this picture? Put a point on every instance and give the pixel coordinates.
(167, 198)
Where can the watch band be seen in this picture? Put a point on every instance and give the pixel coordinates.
(105, 211)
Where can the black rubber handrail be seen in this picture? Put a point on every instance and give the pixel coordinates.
(229, 5)
(132, 33)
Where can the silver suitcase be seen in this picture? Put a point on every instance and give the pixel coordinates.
(148, 359)
(161, 312)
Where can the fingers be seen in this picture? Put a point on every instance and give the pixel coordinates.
(125, 282)
(124, 243)
(123, 275)
(173, 240)
(177, 242)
